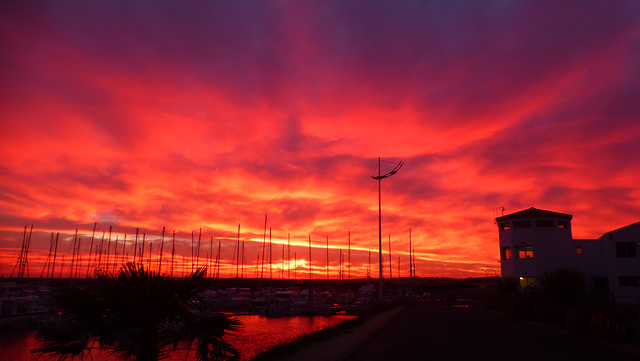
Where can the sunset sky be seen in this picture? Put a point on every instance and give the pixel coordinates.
(206, 115)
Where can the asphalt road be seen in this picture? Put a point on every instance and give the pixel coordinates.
(436, 332)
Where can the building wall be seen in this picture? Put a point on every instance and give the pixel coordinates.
(623, 265)
(549, 244)
(614, 256)
(591, 260)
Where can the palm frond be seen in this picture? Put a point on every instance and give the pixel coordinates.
(136, 312)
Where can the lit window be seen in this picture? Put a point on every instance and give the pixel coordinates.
(578, 250)
(544, 223)
(505, 225)
(563, 224)
(525, 251)
(629, 281)
(626, 249)
(527, 282)
(506, 252)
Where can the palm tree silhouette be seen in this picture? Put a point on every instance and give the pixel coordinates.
(136, 313)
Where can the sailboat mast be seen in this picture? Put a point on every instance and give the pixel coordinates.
(173, 250)
(310, 259)
(55, 253)
(242, 262)
(93, 234)
(219, 258)
(198, 249)
(150, 256)
(141, 254)
(211, 257)
(414, 264)
(115, 254)
(26, 251)
(349, 257)
(270, 257)
(21, 256)
(109, 250)
(288, 255)
(124, 245)
(47, 265)
(264, 244)
(238, 255)
(135, 247)
(73, 254)
(410, 259)
(390, 267)
(192, 252)
(327, 258)
(161, 251)
(233, 259)
(340, 268)
(78, 257)
(369, 266)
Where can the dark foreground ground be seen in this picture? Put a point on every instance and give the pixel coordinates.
(437, 332)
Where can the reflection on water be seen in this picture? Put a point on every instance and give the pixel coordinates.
(262, 333)
(16, 346)
(258, 334)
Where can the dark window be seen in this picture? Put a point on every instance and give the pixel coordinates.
(629, 281)
(525, 251)
(522, 224)
(506, 252)
(505, 225)
(578, 250)
(626, 249)
(544, 223)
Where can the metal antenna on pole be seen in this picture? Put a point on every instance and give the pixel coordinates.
(379, 177)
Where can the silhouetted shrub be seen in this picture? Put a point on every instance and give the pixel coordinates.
(507, 297)
(562, 291)
(563, 286)
(615, 324)
(560, 298)
(599, 291)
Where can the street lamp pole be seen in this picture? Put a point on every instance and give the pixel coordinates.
(380, 293)
(379, 177)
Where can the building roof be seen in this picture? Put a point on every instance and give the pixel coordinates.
(534, 213)
(631, 226)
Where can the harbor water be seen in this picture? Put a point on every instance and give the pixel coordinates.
(258, 334)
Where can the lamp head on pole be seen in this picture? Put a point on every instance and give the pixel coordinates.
(389, 174)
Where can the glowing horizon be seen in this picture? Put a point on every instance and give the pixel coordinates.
(109, 253)
(208, 116)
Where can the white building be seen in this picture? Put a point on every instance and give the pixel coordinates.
(535, 241)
